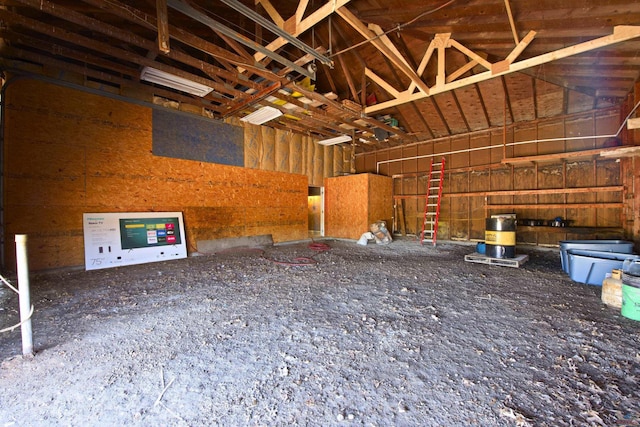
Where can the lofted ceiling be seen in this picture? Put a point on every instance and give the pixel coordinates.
(388, 73)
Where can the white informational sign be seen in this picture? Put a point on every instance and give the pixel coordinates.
(117, 239)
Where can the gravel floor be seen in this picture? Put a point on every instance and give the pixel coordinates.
(375, 335)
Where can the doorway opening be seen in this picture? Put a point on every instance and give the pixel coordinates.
(315, 201)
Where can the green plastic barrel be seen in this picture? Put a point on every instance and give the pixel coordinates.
(630, 297)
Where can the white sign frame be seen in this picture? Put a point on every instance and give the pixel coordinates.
(128, 238)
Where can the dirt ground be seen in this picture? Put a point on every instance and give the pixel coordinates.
(375, 335)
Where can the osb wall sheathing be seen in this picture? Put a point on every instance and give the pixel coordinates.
(474, 173)
(354, 202)
(68, 152)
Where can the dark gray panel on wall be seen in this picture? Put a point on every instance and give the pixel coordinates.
(184, 136)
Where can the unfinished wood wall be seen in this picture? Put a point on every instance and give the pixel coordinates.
(354, 202)
(513, 178)
(68, 152)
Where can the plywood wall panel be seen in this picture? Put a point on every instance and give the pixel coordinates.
(459, 160)
(448, 106)
(578, 102)
(493, 93)
(606, 124)
(549, 98)
(423, 162)
(353, 202)
(394, 168)
(553, 132)
(411, 164)
(521, 96)
(479, 157)
(380, 203)
(346, 206)
(472, 107)
(91, 153)
(430, 114)
(580, 127)
(502, 149)
(523, 134)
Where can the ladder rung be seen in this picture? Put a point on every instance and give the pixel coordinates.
(431, 213)
(432, 204)
(437, 164)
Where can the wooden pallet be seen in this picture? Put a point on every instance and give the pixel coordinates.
(505, 262)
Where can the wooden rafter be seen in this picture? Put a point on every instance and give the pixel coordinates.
(294, 27)
(512, 22)
(397, 61)
(163, 26)
(620, 34)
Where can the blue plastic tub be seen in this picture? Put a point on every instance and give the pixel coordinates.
(591, 267)
(620, 246)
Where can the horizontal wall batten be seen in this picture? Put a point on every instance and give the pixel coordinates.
(585, 154)
(520, 192)
(557, 206)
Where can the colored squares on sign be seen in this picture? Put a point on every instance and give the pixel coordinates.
(152, 237)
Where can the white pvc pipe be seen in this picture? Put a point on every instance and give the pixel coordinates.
(24, 294)
(488, 147)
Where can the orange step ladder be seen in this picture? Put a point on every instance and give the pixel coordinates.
(432, 204)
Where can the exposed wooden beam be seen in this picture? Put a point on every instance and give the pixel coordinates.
(273, 13)
(116, 52)
(400, 63)
(504, 64)
(557, 206)
(584, 154)
(620, 34)
(163, 26)
(382, 83)
(298, 28)
(543, 191)
(471, 54)
(199, 16)
(633, 123)
(349, 77)
(302, 7)
(254, 98)
(512, 23)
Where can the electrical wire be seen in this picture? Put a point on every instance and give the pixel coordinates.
(396, 28)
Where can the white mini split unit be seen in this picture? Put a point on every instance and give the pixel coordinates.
(172, 81)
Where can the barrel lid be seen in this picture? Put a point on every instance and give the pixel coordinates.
(630, 280)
